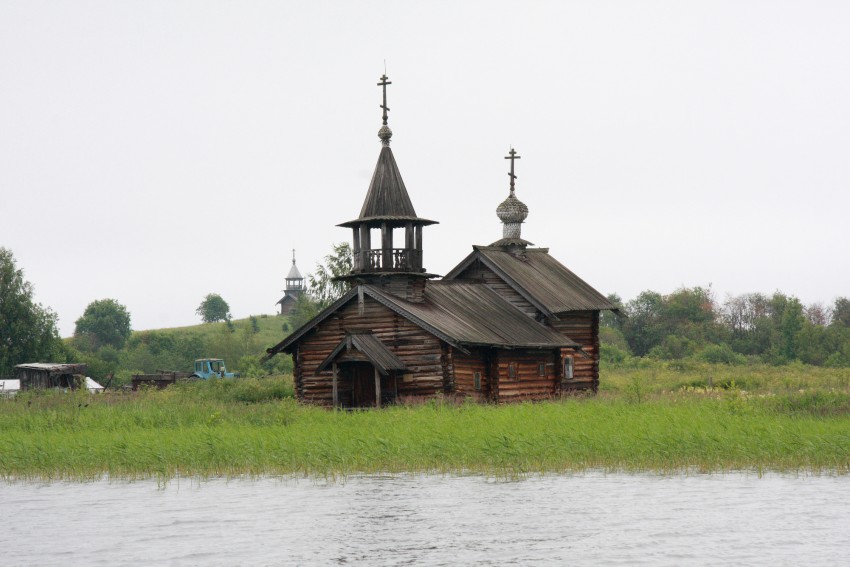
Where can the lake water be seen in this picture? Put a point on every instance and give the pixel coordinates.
(581, 519)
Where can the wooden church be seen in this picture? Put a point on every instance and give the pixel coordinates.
(293, 288)
(508, 323)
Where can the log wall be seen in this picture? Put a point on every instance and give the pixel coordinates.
(580, 326)
(526, 382)
(465, 367)
(421, 352)
(583, 328)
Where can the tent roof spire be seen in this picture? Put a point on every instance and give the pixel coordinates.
(385, 133)
(387, 199)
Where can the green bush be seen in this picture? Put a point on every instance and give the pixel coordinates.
(674, 347)
(721, 354)
(244, 390)
(610, 354)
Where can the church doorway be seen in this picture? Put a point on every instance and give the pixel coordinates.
(364, 385)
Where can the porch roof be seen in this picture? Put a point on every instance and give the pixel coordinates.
(375, 351)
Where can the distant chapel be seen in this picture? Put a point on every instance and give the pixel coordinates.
(293, 287)
(508, 323)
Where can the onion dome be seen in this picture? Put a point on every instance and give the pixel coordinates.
(512, 210)
(385, 134)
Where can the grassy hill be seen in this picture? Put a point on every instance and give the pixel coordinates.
(242, 343)
(271, 328)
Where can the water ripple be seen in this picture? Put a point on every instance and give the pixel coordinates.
(577, 519)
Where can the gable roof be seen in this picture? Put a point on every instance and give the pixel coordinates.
(475, 315)
(458, 313)
(541, 279)
(387, 198)
(375, 351)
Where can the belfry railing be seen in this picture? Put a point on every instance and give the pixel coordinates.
(399, 260)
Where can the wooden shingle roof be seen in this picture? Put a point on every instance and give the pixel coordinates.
(475, 315)
(387, 198)
(541, 279)
(461, 314)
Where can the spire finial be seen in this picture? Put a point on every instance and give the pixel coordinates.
(385, 133)
(512, 156)
(293, 256)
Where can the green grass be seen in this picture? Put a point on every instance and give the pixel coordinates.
(270, 328)
(654, 378)
(254, 427)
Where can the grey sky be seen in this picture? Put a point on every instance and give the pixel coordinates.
(153, 152)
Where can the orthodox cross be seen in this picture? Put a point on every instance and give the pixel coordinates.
(512, 157)
(384, 82)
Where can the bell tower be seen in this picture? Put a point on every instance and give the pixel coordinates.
(387, 236)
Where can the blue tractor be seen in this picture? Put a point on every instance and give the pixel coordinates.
(206, 368)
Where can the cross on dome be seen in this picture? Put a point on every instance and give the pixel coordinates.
(512, 156)
(385, 133)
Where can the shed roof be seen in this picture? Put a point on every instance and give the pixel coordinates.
(540, 278)
(387, 198)
(378, 354)
(54, 367)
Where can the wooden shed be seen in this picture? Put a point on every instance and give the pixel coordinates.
(508, 323)
(50, 375)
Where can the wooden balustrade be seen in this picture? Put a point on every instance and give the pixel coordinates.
(400, 260)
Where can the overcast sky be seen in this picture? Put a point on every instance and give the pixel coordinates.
(154, 152)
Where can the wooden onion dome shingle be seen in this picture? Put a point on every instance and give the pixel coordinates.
(387, 207)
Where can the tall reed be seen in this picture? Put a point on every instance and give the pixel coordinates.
(256, 428)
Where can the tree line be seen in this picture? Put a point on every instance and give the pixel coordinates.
(688, 323)
(691, 323)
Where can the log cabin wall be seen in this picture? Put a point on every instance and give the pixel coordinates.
(583, 328)
(527, 375)
(478, 272)
(420, 351)
(465, 368)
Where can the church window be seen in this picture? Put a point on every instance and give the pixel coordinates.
(568, 368)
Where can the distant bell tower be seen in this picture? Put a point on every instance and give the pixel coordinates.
(294, 287)
(387, 236)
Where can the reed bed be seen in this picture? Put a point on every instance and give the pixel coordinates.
(254, 427)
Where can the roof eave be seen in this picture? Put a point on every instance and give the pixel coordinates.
(393, 220)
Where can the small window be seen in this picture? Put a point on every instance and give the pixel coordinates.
(476, 381)
(512, 373)
(568, 368)
(541, 369)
